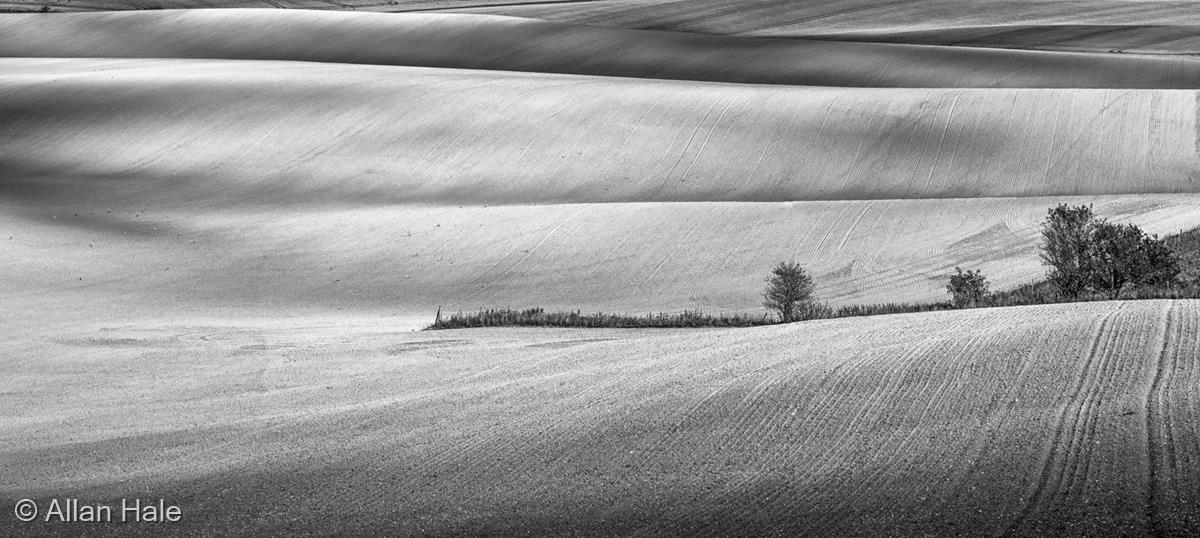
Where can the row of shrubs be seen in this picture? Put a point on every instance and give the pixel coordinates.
(1088, 259)
(1092, 259)
(537, 317)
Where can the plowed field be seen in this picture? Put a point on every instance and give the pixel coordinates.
(1070, 419)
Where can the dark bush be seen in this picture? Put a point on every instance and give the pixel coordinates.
(789, 290)
(1086, 254)
(968, 288)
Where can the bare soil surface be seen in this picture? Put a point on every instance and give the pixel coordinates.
(1062, 419)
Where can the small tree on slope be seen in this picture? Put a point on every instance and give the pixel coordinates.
(1066, 235)
(967, 288)
(788, 288)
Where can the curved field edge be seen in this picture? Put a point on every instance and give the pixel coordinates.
(503, 43)
(1063, 419)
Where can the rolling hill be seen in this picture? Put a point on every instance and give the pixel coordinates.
(415, 188)
(1049, 420)
(1157, 26)
(515, 44)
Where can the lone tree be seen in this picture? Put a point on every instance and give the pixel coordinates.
(1085, 253)
(968, 288)
(1066, 237)
(788, 287)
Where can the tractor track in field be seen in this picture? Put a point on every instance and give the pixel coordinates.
(1160, 444)
(1067, 428)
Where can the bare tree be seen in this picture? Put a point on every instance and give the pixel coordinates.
(788, 287)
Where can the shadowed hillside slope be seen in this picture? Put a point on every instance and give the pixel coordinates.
(1055, 420)
(1169, 39)
(1099, 25)
(322, 132)
(1160, 26)
(196, 184)
(483, 42)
